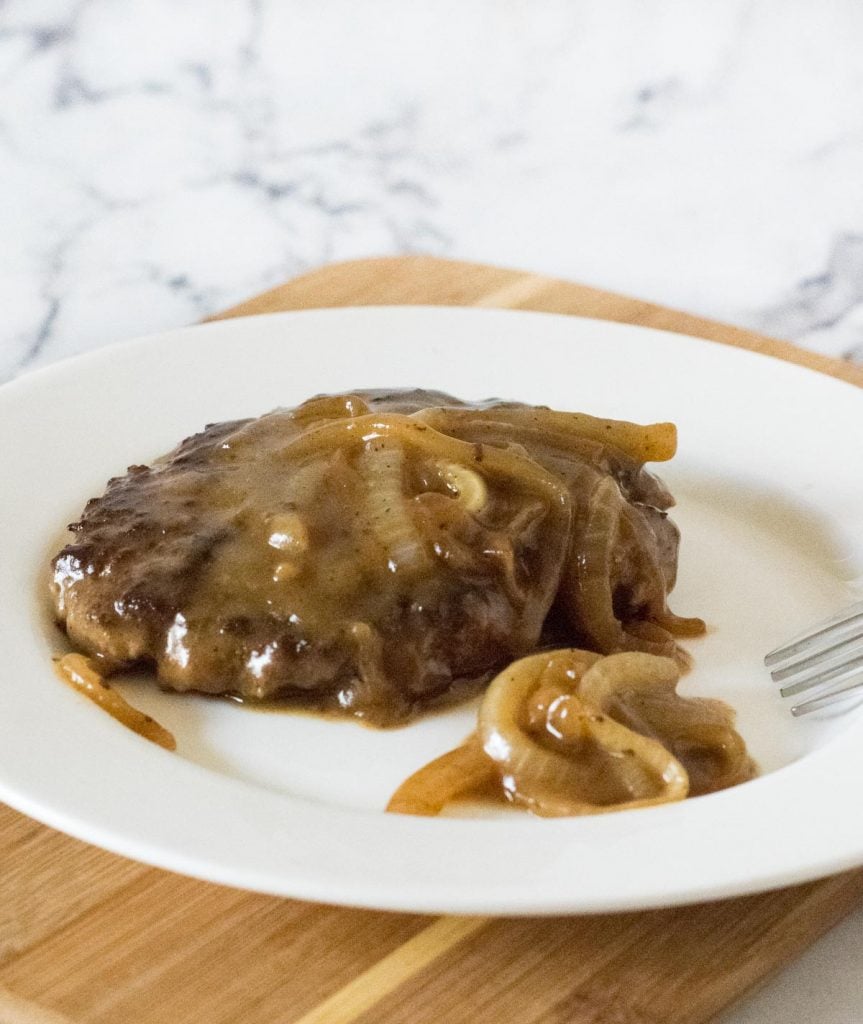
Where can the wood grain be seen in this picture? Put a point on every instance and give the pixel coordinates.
(424, 280)
(89, 938)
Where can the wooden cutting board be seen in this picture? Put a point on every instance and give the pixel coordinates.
(89, 937)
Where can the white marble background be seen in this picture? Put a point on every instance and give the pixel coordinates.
(161, 159)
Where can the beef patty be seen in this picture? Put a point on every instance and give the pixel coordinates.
(354, 553)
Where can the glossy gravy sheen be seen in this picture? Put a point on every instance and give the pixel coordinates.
(373, 554)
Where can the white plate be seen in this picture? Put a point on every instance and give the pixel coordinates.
(770, 496)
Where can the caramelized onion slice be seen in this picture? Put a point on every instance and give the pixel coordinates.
(596, 764)
(640, 690)
(465, 484)
(587, 576)
(83, 676)
(393, 523)
(649, 771)
(570, 732)
(631, 671)
(587, 583)
(388, 512)
(454, 774)
(681, 625)
(655, 442)
(503, 710)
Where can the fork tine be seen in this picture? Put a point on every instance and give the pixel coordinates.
(854, 687)
(824, 632)
(821, 661)
(837, 673)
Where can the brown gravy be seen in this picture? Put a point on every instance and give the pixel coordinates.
(373, 554)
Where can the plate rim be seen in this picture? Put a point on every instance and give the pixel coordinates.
(471, 903)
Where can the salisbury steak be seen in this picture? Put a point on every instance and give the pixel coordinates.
(358, 555)
(322, 552)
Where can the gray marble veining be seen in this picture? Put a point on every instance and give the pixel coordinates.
(160, 160)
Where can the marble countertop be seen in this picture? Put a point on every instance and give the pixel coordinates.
(161, 161)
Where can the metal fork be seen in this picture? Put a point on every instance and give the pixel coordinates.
(830, 655)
